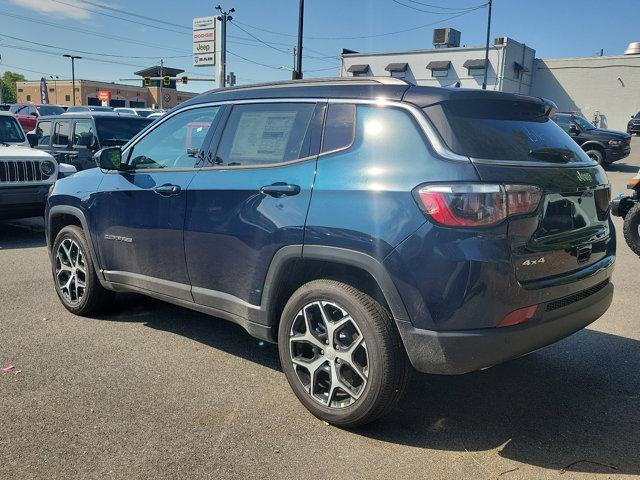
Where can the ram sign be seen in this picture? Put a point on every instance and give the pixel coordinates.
(204, 44)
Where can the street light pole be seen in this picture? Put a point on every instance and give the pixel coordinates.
(486, 49)
(73, 74)
(55, 85)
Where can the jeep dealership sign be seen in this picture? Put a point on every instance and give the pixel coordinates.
(204, 41)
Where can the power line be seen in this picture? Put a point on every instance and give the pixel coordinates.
(448, 11)
(358, 37)
(24, 69)
(437, 6)
(88, 32)
(137, 22)
(137, 15)
(253, 61)
(90, 53)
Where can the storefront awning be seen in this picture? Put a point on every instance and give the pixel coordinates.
(397, 67)
(363, 68)
(439, 65)
(475, 63)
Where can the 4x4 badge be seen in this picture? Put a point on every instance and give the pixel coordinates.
(528, 263)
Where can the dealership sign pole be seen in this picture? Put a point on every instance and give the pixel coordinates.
(204, 43)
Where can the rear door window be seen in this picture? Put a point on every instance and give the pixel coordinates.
(84, 134)
(10, 130)
(264, 134)
(512, 130)
(61, 134)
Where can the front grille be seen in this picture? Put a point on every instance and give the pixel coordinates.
(576, 297)
(20, 171)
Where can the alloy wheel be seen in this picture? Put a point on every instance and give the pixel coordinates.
(71, 273)
(329, 354)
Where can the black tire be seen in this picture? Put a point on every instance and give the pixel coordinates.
(598, 156)
(94, 296)
(630, 228)
(387, 363)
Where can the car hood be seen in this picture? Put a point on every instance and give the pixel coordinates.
(604, 134)
(23, 153)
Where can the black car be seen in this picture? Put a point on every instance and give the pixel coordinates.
(74, 138)
(634, 124)
(604, 146)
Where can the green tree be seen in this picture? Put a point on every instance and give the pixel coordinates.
(9, 91)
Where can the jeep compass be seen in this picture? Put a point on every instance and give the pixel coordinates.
(364, 225)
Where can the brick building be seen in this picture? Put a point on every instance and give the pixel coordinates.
(122, 95)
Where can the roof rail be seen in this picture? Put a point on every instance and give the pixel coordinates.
(315, 81)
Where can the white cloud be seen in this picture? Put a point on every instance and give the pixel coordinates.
(51, 7)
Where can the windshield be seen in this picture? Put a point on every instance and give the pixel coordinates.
(144, 113)
(583, 123)
(119, 130)
(50, 110)
(10, 130)
(503, 130)
(637, 116)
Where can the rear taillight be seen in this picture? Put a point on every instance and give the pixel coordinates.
(476, 204)
(519, 316)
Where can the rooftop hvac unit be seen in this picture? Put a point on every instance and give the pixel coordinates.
(446, 38)
(633, 49)
(500, 41)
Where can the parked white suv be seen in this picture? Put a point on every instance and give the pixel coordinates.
(26, 174)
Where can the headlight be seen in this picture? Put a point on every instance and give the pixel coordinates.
(47, 168)
(615, 143)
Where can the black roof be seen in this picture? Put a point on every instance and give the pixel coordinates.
(91, 114)
(397, 67)
(351, 87)
(474, 63)
(155, 71)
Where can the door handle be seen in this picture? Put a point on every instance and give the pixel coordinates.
(167, 190)
(281, 189)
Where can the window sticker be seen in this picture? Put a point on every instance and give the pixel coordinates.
(262, 135)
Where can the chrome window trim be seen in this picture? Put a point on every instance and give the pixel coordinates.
(526, 163)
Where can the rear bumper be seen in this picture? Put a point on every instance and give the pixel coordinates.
(462, 351)
(20, 202)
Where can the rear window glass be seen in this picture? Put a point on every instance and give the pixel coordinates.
(43, 132)
(503, 130)
(119, 130)
(61, 133)
(50, 110)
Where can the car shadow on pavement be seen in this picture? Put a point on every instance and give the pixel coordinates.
(573, 405)
(622, 167)
(27, 233)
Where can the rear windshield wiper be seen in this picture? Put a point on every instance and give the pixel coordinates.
(552, 154)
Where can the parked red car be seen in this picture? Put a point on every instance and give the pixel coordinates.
(28, 113)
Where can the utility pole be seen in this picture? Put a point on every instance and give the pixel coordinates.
(295, 50)
(161, 81)
(297, 72)
(73, 74)
(223, 17)
(486, 49)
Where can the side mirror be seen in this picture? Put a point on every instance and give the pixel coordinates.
(33, 139)
(65, 170)
(109, 158)
(574, 129)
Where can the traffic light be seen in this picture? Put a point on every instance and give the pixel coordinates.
(166, 81)
(184, 79)
(147, 81)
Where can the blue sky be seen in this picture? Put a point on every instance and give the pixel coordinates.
(559, 28)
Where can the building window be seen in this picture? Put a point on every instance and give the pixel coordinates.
(28, 98)
(52, 90)
(439, 73)
(476, 72)
(397, 70)
(67, 98)
(76, 89)
(20, 90)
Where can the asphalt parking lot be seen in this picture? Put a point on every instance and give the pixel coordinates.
(149, 390)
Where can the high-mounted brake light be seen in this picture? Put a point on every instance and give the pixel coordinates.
(470, 205)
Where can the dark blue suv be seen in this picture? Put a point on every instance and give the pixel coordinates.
(364, 225)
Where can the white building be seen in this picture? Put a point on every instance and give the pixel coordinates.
(606, 88)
